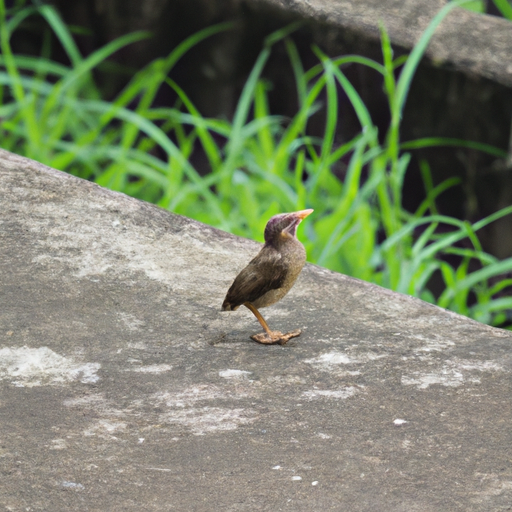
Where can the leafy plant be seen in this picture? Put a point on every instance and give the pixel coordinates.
(503, 6)
(260, 164)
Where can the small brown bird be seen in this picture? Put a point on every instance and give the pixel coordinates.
(271, 274)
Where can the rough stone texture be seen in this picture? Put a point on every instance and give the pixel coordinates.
(123, 386)
(468, 41)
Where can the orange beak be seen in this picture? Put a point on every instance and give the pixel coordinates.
(302, 214)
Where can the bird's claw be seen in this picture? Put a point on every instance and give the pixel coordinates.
(275, 337)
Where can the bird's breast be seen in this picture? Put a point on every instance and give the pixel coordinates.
(294, 258)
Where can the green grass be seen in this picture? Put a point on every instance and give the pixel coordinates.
(503, 6)
(260, 164)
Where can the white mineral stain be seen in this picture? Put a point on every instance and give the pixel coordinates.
(192, 408)
(110, 420)
(453, 373)
(327, 393)
(328, 360)
(139, 345)
(72, 485)
(131, 322)
(205, 420)
(105, 428)
(437, 346)
(482, 366)
(190, 396)
(296, 478)
(153, 368)
(446, 377)
(491, 485)
(201, 409)
(234, 374)
(433, 343)
(28, 367)
(58, 444)
(406, 444)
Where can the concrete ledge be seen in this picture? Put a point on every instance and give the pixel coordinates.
(469, 42)
(123, 386)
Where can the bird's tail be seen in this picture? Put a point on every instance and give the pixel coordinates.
(227, 306)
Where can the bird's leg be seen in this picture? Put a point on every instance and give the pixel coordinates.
(261, 320)
(270, 337)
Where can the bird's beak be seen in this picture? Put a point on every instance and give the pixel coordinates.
(295, 218)
(302, 214)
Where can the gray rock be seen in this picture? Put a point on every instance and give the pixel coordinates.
(467, 41)
(124, 387)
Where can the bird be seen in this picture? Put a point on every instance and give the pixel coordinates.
(271, 274)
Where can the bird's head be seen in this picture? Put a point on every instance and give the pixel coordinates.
(284, 224)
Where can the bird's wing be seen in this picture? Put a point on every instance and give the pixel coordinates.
(265, 272)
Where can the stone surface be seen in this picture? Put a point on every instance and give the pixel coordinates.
(124, 387)
(467, 41)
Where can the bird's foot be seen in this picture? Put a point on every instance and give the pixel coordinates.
(275, 337)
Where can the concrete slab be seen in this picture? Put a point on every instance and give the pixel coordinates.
(473, 43)
(123, 386)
